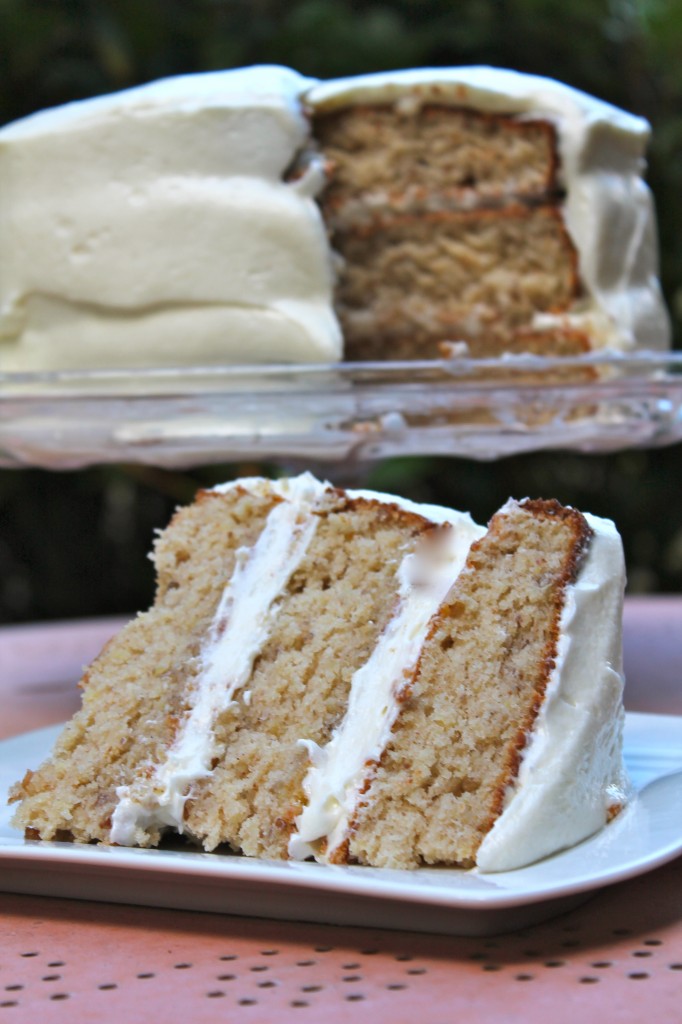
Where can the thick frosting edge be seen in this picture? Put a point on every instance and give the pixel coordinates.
(268, 85)
(572, 777)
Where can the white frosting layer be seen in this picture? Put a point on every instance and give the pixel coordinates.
(339, 769)
(153, 227)
(608, 209)
(572, 771)
(239, 631)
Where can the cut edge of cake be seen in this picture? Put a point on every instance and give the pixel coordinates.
(599, 189)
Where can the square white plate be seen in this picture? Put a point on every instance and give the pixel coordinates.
(446, 900)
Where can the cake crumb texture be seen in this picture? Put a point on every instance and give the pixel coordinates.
(383, 156)
(135, 692)
(413, 283)
(449, 226)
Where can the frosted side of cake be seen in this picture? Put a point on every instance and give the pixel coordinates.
(571, 777)
(156, 226)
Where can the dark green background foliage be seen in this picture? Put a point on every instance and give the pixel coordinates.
(74, 544)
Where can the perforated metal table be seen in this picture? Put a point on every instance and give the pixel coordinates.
(617, 957)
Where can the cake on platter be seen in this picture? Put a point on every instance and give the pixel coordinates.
(352, 677)
(257, 216)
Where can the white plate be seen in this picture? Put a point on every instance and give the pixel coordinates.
(647, 834)
(478, 409)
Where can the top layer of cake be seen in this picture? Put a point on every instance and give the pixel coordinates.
(176, 223)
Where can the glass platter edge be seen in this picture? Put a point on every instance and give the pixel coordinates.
(350, 412)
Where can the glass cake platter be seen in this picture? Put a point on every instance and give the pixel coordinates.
(646, 835)
(480, 409)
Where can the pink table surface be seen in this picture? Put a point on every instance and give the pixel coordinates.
(618, 957)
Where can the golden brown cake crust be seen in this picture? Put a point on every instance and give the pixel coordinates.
(581, 535)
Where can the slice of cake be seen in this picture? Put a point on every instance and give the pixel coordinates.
(352, 677)
(177, 223)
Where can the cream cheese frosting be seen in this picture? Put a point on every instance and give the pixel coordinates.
(608, 209)
(239, 630)
(571, 776)
(156, 227)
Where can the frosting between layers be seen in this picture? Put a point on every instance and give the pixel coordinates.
(340, 768)
(239, 630)
(608, 208)
(571, 774)
(154, 227)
